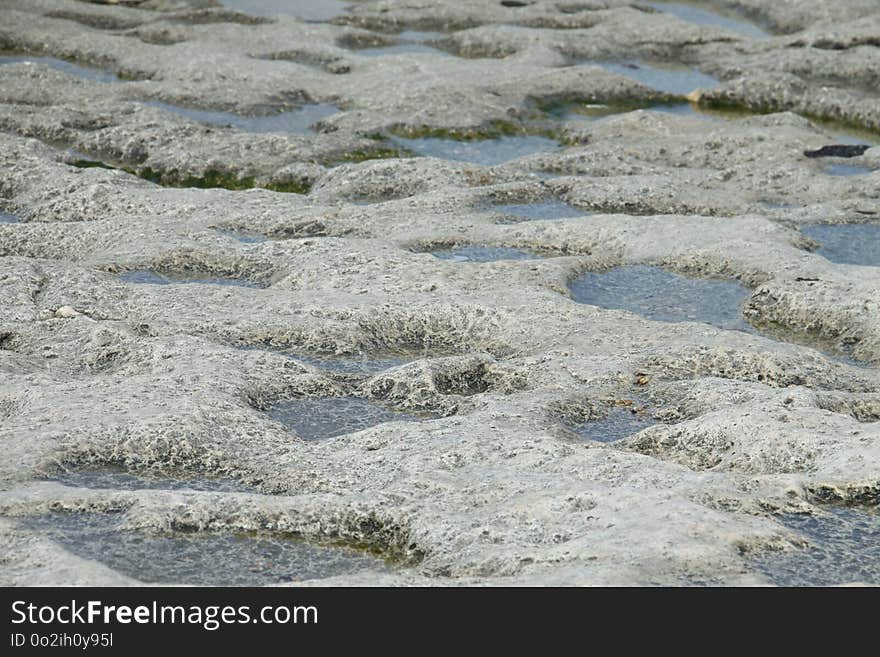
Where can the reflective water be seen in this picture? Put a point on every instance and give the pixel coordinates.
(93, 74)
(620, 422)
(855, 138)
(551, 209)
(671, 79)
(201, 560)
(705, 16)
(777, 205)
(418, 36)
(483, 254)
(146, 277)
(594, 112)
(243, 237)
(316, 419)
(486, 152)
(408, 41)
(846, 170)
(7, 218)
(844, 549)
(402, 49)
(309, 10)
(117, 479)
(661, 295)
(852, 244)
(298, 121)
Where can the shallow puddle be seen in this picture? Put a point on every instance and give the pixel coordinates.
(419, 36)
(551, 209)
(621, 422)
(309, 10)
(316, 419)
(402, 49)
(671, 80)
(851, 244)
(146, 277)
(408, 41)
(583, 112)
(660, 295)
(93, 74)
(846, 170)
(352, 364)
(298, 121)
(483, 254)
(486, 152)
(705, 16)
(844, 549)
(595, 112)
(243, 237)
(117, 479)
(7, 218)
(200, 560)
(855, 139)
(777, 205)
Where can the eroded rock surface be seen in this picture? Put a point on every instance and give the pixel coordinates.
(328, 232)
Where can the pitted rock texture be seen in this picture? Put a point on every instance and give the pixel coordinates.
(333, 229)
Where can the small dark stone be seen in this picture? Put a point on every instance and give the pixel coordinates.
(514, 3)
(838, 150)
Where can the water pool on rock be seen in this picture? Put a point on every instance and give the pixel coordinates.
(486, 152)
(706, 16)
(147, 277)
(408, 41)
(620, 422)
(308, 10)
(595, 112)
(482, 254)
(657, 294)
(93, 74)
(401, 49)
(362, 363)
(118, 479)
(297, 121)
(7, 218)
(316, 419)
(352, 364)
(200, 560)
(671, 80)
(851, 244)
(243, 237)
(846, 170)
(551, 209)
(844, 548)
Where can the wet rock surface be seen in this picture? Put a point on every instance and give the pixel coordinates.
(520, 133)
(206, 560)
(842, 546)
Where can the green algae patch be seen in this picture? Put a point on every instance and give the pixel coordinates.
(131, 76)
(292, 187)
(384, 150)
(741, 108)
(215, 179)
(91, 164)
(364, 154)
